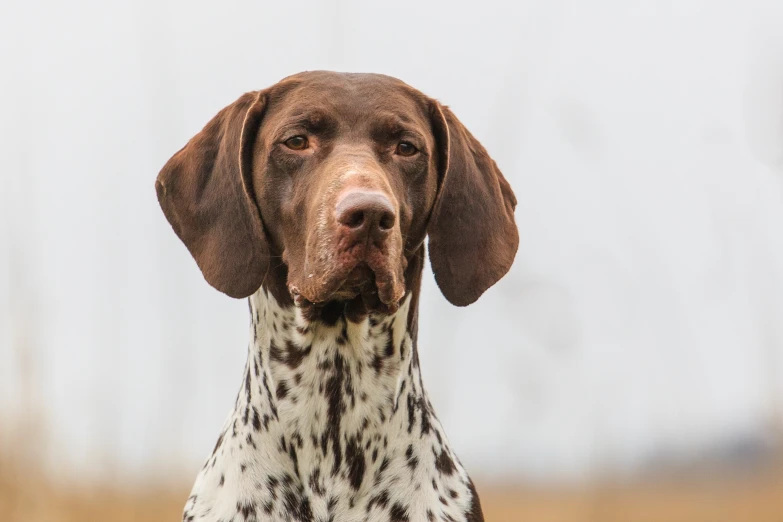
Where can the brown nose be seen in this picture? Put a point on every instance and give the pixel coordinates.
(366, 214)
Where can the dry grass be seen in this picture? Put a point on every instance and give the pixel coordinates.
(757, 499)
(26, 498)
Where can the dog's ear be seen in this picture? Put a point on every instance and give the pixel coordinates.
(205, 191)
(473, 237)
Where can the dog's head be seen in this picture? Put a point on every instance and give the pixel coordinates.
(331, 182)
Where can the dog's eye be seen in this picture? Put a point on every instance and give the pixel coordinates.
(297, 143)
(406, 148)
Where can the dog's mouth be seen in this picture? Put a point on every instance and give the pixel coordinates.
(360, 281)
(368, 285)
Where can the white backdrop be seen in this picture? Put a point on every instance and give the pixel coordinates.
(644, 141)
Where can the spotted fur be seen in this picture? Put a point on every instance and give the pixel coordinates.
(331, 424)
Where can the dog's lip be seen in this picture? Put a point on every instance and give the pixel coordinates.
(360, 274)
(354, 280)
(360, 279)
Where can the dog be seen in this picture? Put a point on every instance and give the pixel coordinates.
(313, 198)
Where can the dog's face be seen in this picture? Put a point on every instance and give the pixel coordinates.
(345, 174)
(337, 179)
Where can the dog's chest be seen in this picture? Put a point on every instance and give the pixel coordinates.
(331, 424)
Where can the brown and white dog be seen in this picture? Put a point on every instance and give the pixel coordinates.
(313, 198)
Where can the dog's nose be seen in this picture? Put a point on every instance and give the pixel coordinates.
(365, 214)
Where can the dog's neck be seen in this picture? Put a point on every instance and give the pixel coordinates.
(331, 424)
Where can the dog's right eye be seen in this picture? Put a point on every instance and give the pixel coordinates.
(406, 148)
(297, 143)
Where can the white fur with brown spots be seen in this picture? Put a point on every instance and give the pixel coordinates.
(331, 424)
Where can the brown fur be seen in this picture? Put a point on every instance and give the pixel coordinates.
(247, 208)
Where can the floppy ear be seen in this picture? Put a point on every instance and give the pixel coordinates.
(205, 193)
(473, 236)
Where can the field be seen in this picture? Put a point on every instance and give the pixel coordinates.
(759, 498)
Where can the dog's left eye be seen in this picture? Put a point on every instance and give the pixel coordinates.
(406, 148)
(297, 143)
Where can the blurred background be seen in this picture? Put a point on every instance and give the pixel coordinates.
(632, 361)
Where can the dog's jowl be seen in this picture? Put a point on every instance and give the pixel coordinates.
(313, 198)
